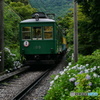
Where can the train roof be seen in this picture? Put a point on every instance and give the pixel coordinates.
(40, 20)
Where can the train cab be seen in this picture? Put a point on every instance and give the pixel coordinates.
(39, 39)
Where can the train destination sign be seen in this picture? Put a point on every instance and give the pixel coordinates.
(26, 43)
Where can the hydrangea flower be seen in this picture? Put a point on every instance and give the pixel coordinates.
(50, 88)
(77, 65)
(69, 63)
(7, 49)
(86, 71)
(74, 67)
(65, 70)
(80, 72)
(74, 74)
(94, 68)
(56, 77)
(87, 64)
(98, 67)
(76, 83)
(12, 54)
(95, 75)
(61, 72)
(69, 75)
(83, 67)
(51, 83)
(88, 77)
(90, 84)
(72, 79)
(67, 67)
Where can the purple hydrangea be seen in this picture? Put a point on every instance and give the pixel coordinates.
(90, 84)
(76, 83)
(88, 77)
(72, 79)
(81, 72)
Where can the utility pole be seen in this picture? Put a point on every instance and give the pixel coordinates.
(1, 37)
(75, 32)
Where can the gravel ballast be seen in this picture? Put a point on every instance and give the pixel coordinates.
(40, 91)
(11, 88)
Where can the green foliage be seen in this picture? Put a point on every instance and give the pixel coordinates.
(69, 54)
(84, 36)
(22, 1)
(85, 86)
(66, 23)
(90, 28)
(7, 1)
(24, 11)
(80, 77)
(58, 7)
(9, 59)
(13, 11)
(12, 59)
(11, 24)
(88, 34)
(93, 59)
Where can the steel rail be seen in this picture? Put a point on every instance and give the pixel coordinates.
(9, 75)
(25, 91)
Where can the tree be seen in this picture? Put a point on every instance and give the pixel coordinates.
(89, 36)
(24, 11)
(91, 9)
(22, 1)
(14, 12)
(11, 26)
(66, 23)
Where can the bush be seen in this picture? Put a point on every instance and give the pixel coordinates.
(93, 60)
(11, 60)
(82, 77)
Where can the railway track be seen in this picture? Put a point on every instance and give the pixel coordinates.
(25, 84)
(31, 86)
(40, 90)
(16, 88)
(11, 74)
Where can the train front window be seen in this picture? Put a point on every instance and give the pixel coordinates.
(37, 33)
(48, 32)
(26, 31)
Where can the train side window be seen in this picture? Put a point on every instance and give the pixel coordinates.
(48, 32)
(26, 31)
(37, 33)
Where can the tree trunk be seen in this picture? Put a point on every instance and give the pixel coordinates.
(1, 37)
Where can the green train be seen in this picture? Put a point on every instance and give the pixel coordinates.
(41, 40)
